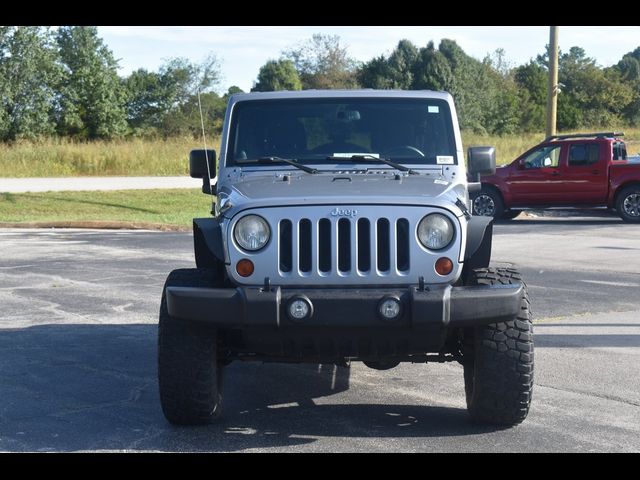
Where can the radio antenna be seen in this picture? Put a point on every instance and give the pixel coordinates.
(206, 152)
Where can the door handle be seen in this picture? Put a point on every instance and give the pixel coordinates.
(555, 173)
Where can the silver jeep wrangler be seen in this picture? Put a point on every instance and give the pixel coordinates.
(342, 232)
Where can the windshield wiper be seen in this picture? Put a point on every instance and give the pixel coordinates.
(288, 161)
(367, 158)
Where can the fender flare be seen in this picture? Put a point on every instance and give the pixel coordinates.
(478, 247)
(207, 242)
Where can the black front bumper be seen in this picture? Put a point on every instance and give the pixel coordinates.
(335, 310)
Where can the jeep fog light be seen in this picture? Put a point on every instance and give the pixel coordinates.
(389, 308)
(299, 308)
(252, 232)
(435, 231)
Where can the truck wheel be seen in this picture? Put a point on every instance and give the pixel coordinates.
(498, 360)
(488, 203)
(628, 204)
(189, 373)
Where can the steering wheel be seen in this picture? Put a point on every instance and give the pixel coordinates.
(403, 147)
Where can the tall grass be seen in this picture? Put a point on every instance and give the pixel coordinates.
(61, 157)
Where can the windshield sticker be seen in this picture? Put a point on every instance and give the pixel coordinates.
(440, 182)
(349, 155)
(433, 109)
(444, 160)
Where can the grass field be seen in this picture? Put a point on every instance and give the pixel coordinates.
(171, 207)
(62, 158)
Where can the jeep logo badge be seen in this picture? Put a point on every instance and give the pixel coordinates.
(344, 212)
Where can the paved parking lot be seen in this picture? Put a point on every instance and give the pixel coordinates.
(78, 348)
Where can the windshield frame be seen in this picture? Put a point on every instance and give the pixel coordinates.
(320, 159)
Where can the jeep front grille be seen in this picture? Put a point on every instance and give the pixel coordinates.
(346, 245)
(310, 246)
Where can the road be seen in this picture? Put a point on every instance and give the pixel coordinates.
(21, 185)
(78, 343)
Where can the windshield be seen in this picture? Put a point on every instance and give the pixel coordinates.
(414, 131)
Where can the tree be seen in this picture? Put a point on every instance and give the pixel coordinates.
(531, 81)
(394, 72)
(277, 75)
(153, 97)
(92, 98)
(28, 79)
(147, 100)
(323, 63)
(182, 78)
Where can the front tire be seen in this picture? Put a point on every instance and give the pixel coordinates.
(189, 373)
(488, 202)
(628, 204)
(498, 360)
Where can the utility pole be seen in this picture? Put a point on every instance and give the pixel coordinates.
(552, 96)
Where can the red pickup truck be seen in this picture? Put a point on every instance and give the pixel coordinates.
(579, 170)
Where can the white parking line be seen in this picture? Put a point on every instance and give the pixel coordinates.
(613, 284)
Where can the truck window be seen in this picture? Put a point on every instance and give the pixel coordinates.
(619, 151)
(543, 157)
(583, 154)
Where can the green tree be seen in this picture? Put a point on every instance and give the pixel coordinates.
(628, 69)
(531, 80)
(91, 95)
(277, 75)
(323, 63)
(182, 78)
(156, 101)
(394, 72)
(185, 119)
(147, 100)
(28, 79)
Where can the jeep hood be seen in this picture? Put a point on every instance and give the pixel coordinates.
(327, 189)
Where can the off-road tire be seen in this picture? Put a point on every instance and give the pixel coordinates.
(498, 359)
(189, 373)
(488, 202)
(627, 212)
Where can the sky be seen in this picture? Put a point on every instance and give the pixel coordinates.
(243, 50)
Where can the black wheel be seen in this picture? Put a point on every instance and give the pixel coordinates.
(510, 214)
(628, 204)
(498, 360)
(488, 202)
(189, 373)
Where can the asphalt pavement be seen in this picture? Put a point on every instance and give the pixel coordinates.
(78, 351)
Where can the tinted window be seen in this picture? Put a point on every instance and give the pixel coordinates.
(584, 154)
(310, 130)
(619, 151)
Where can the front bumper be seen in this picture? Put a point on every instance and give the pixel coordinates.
(335, 310)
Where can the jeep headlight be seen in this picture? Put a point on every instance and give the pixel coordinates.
(435, 231)
(252, 232)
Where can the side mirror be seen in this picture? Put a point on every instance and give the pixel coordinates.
(481, 161)
(198, 168)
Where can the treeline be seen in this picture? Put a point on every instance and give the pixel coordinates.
(64, 82)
